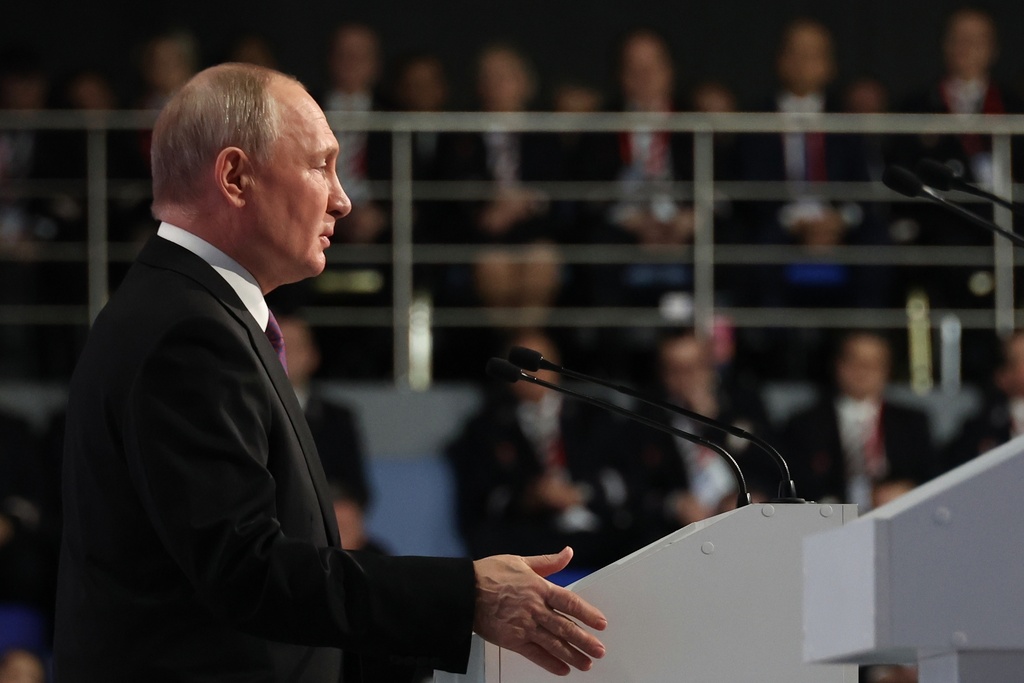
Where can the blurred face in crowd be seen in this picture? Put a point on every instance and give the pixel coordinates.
(862, 370)
(970, 45)
(354, 61)
(713, 98)
(1010, 377)
(303, 356)
(295, 198)
(422, 86)
(576, 99)
(806, 63)
(169, 63)
(866, 96)
(23, 91)
(90, 90)
(646, 73)
(686, 368)
(504, 82)
(526, 391)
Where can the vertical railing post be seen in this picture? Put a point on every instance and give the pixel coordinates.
(401, 251)
(96, 192)
(1002, 185)
(704, 232)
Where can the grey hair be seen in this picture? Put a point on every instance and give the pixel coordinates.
(228, 105)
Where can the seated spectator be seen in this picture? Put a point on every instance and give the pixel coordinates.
(535, 472)
(354, 67)
(682, 482)
(852, 443)
(644, 164)
(1001, 417)
(515, 214)
(969, 51)
(528, 276)
(335, 432)
(420, 84)
(806, 69)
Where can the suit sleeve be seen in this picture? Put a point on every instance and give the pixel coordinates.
(197, 442)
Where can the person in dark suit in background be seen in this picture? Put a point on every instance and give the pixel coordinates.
(850, 446)
(199, 541)
(336, 435)
(680, 482)
(534, 472)
(806, 70)
(1001, 416)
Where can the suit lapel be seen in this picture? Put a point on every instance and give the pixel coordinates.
(164, 254)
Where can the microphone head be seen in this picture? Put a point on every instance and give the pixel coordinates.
(935, 174)
(498, 368)
(903, 181)
(525, 358)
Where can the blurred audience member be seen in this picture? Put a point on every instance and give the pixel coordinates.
(644, 164)
(855, 444)
(867, 95)
(21, 666)
(168, 61)
(535, 473)
(527, 276)
(681, 482)
(1001, 417)
(806, 68)
(421, 85)
(354, 65)
(253, 49)
(969, 49)
(335, 432)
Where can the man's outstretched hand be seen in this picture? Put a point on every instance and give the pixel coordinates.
(517, 609)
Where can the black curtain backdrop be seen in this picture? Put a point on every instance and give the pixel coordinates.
(732, 41)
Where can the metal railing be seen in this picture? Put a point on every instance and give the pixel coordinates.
(402, 254)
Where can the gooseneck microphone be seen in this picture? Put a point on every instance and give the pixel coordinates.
(506, 371)
(531, 360)
(941, 177)
(906, 183)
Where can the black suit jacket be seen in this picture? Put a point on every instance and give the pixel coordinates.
(816, 454)
(199, 542)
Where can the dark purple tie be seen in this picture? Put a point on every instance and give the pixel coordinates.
(277, 340)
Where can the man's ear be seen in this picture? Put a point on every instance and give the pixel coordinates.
(233, 173)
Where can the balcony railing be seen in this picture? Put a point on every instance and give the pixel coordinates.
(402, 254)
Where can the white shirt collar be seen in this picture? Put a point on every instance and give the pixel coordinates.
(240, 279)
(795, 104)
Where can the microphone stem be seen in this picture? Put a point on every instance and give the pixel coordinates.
(743, 496)
(786, 486)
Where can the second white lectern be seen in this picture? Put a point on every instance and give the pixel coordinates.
(936, 577)
(719, 600)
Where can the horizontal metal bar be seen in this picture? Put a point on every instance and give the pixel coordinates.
(585, 254)
(617, 317)
(754, 122)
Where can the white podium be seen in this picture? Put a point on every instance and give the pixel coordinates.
(719, 600)
(936, 577)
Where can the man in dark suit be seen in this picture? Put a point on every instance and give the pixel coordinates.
(534, 472)
(200, 543)
(856, 446)
(806, 69)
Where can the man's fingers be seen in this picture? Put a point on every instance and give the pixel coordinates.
(570, 603)
(567, 631)
(541, 657)
(545, 565)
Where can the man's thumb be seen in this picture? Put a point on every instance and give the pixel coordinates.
(545, 565)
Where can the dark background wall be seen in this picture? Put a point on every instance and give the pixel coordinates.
(729, 40)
